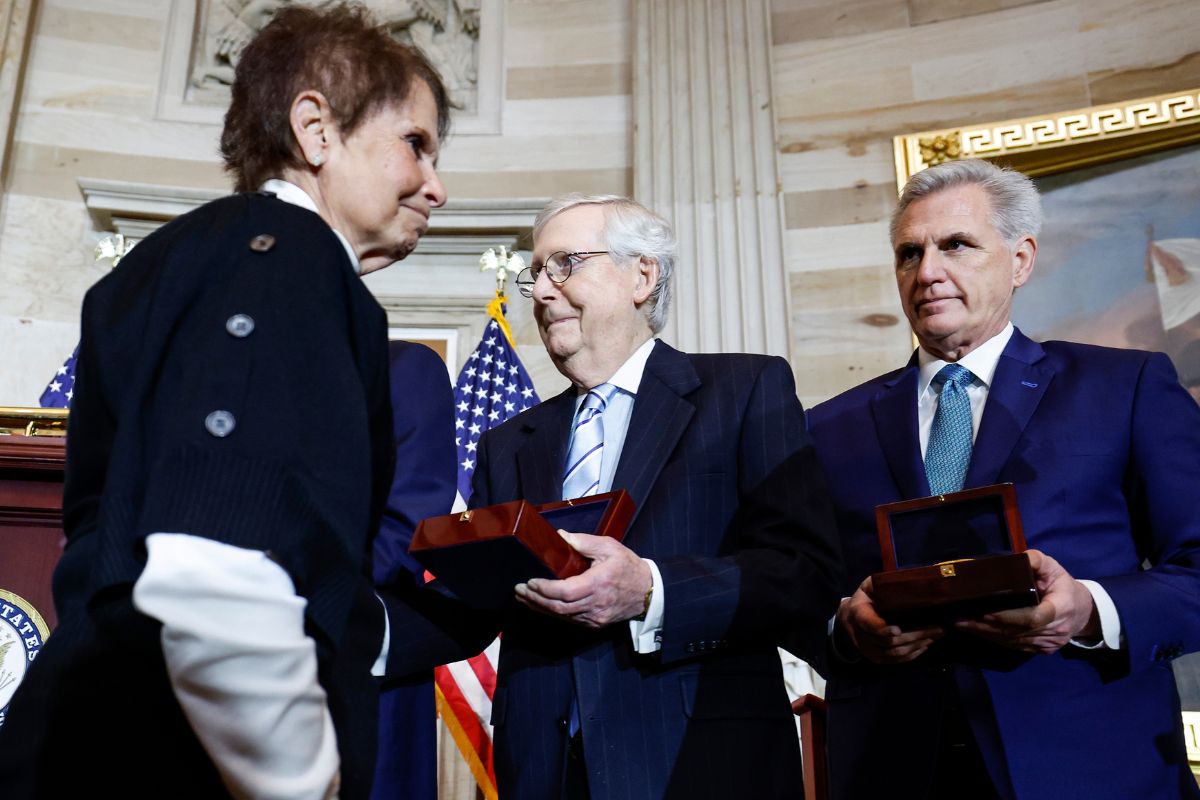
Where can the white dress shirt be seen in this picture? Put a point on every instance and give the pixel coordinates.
(982, 362)
(616, 424)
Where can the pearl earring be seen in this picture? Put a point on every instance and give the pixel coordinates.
(316, 160)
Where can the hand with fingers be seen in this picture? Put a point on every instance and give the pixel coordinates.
(613, 589)
(1066, 611)
(874, 638)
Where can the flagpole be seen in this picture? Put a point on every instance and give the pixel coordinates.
(492, 387)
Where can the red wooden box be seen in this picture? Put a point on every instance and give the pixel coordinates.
(952, 556)
(481, 554)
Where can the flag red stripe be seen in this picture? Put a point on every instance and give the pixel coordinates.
(467, 718)
(483, 779)
(483, 669)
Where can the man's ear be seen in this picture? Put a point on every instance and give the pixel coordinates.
(1024, 254)
(647, 278)
(311, 119)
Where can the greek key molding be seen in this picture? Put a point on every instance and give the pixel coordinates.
(1052, 143)
(1064, 129)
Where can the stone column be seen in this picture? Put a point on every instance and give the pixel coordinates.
(705, 156)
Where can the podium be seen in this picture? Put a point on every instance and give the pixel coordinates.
(32, 460)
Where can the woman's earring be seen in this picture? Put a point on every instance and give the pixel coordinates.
(316, 160)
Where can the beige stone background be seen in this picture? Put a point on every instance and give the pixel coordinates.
(80, 82)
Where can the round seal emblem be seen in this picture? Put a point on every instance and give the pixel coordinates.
(22, 634)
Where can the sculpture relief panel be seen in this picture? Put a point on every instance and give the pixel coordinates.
(460, 37)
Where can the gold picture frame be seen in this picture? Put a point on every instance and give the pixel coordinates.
(1052, 143)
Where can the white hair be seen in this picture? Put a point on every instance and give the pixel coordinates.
(1016, 206)
(630, 231)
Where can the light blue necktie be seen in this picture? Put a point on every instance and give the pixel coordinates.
(949, 450)
(582, 475)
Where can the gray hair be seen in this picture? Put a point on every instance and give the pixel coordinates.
(630, 231)
(1016, 204)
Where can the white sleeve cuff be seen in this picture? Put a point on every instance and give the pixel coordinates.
(647, 633)
(379, 669)
(1110, 621)
(241, 666)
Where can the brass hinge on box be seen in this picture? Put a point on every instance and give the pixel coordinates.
(947, 569)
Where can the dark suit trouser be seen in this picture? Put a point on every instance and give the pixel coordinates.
(575, 778)
(960, 770)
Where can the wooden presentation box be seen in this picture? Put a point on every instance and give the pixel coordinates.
(481, 554)
(952, 556)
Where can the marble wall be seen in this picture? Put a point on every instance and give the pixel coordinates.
(90, 105)
(846, 76)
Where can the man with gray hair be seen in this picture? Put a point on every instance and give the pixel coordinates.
(1073, 697)
(654, 673)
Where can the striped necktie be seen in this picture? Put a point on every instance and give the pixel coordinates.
(948, 452)
(582, 475)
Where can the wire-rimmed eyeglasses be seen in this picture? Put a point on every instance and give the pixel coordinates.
(557, 266)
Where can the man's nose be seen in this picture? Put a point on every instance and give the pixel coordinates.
(543, 288)
(932, 266)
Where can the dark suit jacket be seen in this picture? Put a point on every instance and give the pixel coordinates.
(1103, 446)
(732, 507)
(426, 476)
(303, 475)
(423, 485)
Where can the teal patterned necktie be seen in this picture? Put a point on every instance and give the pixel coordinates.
(949, 450)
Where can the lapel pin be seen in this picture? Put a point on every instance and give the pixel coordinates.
(1030, 385)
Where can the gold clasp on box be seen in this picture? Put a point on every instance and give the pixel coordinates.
(465, 516)
(947, 570)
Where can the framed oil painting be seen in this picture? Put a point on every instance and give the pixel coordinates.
(1119, 255)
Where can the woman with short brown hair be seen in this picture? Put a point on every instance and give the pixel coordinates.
(230, 449)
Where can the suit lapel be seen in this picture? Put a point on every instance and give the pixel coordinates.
(894, 411)
(541, 458)
(660, 416)
(1020, 381)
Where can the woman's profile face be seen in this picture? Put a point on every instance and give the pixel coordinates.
(380, 182)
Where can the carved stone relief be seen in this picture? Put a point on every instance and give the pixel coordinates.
(446, 30)
(460, 37)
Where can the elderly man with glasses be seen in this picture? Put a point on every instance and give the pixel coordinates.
(654, 673)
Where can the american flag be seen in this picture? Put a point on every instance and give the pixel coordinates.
(492, 387)
(61, 387)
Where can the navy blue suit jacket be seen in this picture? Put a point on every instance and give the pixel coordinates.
(426, 476)
(732, 507)
(424, 485)
(1103, 446)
